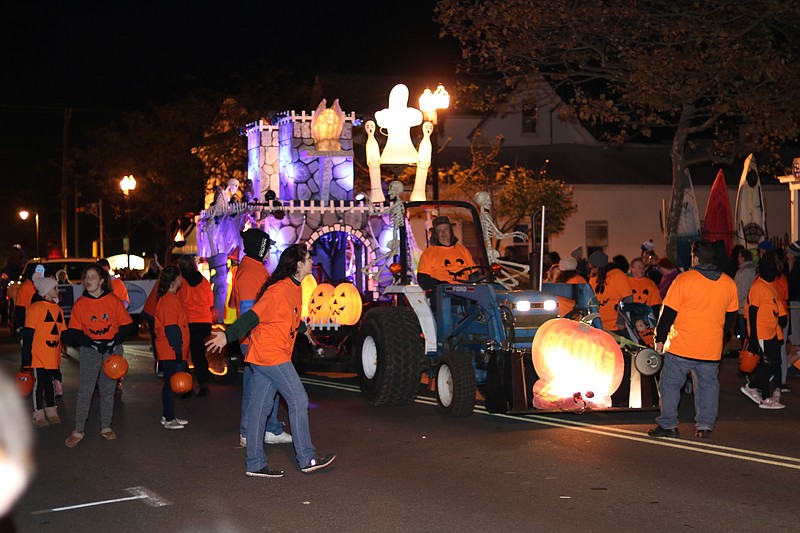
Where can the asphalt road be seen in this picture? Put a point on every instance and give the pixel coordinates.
(411, 469)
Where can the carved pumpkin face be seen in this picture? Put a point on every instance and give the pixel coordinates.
(99, 325)
(318, 306)
(345, 304)
(571, 357)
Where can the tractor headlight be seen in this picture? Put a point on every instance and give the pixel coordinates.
(550, 305)
(523, 305)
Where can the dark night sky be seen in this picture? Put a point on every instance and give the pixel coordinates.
(104, 58)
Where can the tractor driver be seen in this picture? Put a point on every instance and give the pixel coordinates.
(443, 258)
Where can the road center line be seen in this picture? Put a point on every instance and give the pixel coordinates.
(139, 493)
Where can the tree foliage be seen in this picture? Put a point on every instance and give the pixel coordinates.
(716, 77)
(516, 192)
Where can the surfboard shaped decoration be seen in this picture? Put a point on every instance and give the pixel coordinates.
(750, 219)
(688, 224)
(718, 219)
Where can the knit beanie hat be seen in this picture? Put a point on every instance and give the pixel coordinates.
(598, 259)
(43, 285)
(256, 243)
(567, 263)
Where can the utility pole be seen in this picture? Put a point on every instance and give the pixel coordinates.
(64, 149)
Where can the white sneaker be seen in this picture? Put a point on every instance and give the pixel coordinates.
(180, 421)
(242, 441)
(281, 438)
(776, 394)
(771, 403)
(753, 394)
(173, 424)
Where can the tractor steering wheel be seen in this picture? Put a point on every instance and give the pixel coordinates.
(472, 274)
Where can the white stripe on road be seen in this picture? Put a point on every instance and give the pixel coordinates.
(139, 493)
(784, 461)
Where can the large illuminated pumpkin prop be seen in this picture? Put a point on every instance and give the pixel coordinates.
(308, 285)
(319, 303)
(572, 360)
(345, 304)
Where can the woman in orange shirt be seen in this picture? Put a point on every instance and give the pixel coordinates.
(275, 323)
(172, 340)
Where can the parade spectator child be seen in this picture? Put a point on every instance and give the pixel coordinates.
(98, 326)
(172, 340)
(24, 295)
(42, 346)
(646, 333)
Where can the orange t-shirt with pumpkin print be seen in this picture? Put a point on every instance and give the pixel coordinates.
(645, 291)
(42, 346)
(616, 288)
(442, 262)
(99, 318)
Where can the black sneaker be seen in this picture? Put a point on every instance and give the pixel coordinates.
(658, 431)
(266, 472)
(319, 462)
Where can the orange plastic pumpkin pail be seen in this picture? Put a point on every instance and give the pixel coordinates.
(115, 366)
(25, 381)
(747, 361)
(180, 382)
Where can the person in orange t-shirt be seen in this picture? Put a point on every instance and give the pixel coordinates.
(443, 258)
(117, 285)
(611, 286)
(781, 285)
(149, 316)
(23, 300)
(273, 324)
(172, 340)
(568, 273)
(765, 316)
(98, 325)
(198, 300)
(700, 305)
(250, 277)
(644, 289)
(41, 347)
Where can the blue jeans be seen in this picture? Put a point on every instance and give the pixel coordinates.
(274, 425)
(705, 375)
(267, 380)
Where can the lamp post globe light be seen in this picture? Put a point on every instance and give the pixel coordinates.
(430, 103)
(24, 214)
(127, 184)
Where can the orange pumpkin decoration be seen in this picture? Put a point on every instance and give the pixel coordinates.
(319, 304)
(25, 381)
(115, 366)
(308, 285)
(345, 304)
(571, 357)
(181, 382)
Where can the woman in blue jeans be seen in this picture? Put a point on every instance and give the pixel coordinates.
(274, 323)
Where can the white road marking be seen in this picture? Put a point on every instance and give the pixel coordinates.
(784, 461)
(138, 493)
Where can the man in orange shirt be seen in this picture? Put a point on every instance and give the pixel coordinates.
(700, 305)
(443, 258)
(644, 289)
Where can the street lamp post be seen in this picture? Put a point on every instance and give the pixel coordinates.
(24, 216)
(430, 103)
(127, 184)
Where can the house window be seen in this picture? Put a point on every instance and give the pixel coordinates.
(596, 235)
(529, 119)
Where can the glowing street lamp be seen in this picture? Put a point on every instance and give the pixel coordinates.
(127, 184)
(430, 103)
(24, 216)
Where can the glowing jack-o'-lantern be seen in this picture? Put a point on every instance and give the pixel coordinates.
(308, 285)
(572, 358)
(318, 305)
(345, 304)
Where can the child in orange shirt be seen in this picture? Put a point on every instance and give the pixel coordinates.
(41, 347)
